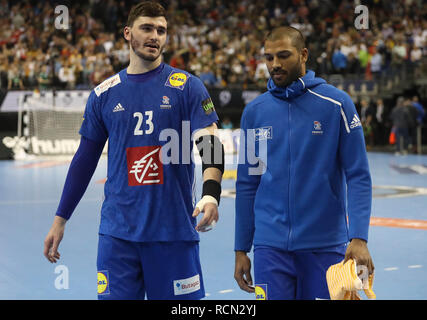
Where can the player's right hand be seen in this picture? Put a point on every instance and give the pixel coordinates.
(242, 272)
(209, 206)
(53, 239)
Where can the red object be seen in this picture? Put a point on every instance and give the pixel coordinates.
(392, 138)
(144, 165)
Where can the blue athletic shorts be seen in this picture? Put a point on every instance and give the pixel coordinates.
(158, 270)
(284, 275)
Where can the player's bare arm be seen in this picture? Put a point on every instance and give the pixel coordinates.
(242, 272)
(213, 169)
(53, 239)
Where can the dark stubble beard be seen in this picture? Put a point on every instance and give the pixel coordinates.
(292, 75)
(135, 44)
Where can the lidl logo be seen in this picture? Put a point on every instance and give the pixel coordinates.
(103, 285)
(177, 80)
(261, 292)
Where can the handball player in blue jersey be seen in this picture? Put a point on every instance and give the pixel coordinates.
(310, 206)
(150, 113)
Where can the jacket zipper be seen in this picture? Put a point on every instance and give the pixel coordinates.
(289, 172)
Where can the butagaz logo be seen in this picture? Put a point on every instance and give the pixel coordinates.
(263, 133)
(317, 126)
(165, 103)
(208, 106)
(185, 286)
(355, 122)
(144, 166)
(118, 108)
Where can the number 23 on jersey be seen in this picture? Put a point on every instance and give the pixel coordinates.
(143, 123)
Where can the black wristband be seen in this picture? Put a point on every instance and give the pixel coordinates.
(212, 188)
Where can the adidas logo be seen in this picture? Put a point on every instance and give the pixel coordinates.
(118, 108)
(355, 122)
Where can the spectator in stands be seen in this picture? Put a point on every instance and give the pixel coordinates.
(29, 73)
(380, 133)
(4, 8)
(261, 73)
(420, 110)
(419, 120)
(368, 132)
(366, 110)
(219, 77)
(194, 65)
(207, 76)
(376, 63)
(412, 123)
(17, 19)
(249, 79)
(261, 77)
(226, 123)
(66, 76)
(44, 79)
(348, 46)
(363, 56)
(324, 63)
(367, 115)
(3, 73)
(339, 61)
(229, 33)
(14, 77)
(177, 61)
(401, 123)
(353, 64)
(398, 53)
(415, 56)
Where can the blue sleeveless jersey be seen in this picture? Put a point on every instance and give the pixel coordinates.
(148, 120)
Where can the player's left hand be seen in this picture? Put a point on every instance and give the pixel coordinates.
(358, 250)
(210, 216)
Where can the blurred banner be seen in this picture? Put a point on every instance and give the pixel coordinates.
(222, 98)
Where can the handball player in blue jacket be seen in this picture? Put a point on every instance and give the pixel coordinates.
(305, 204)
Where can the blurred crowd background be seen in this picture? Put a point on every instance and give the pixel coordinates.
(218, 40)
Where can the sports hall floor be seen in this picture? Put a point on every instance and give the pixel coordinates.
(30, 191)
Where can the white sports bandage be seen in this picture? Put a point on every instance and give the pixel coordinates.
(204, 200)
(200, 205)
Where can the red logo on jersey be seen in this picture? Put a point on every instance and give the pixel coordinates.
(144, 165)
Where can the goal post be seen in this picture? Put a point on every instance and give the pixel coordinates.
(49, 122)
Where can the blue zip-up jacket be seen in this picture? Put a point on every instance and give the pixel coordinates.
(309, 142)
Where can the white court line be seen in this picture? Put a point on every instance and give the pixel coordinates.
(391, 269)
(414, 266)
(226, 291)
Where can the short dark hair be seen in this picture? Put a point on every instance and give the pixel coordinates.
(146, 9)
(297, 38)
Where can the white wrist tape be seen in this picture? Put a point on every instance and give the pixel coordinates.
(204, 200)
